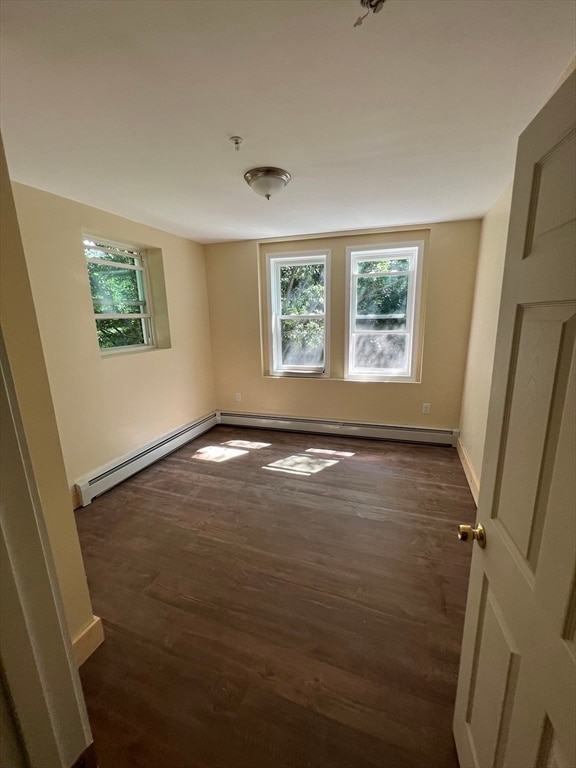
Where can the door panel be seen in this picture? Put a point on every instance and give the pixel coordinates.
(529, 445)
(490, 705)
(551, 222)
(516, 700)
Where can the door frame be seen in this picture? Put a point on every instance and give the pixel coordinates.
(36, 655)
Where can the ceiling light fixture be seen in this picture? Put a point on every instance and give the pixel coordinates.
(373, 5)
(267, 181)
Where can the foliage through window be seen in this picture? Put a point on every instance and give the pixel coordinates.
(297, 291)
(118, 284)
(383, 307)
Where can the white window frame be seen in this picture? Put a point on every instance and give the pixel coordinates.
(274, 262)
(140, 266)
(413, 251)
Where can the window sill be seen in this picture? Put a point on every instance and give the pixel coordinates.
(121, 351)
(352, 379)
(384, 379)
(297, 375)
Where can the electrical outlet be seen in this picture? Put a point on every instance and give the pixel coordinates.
(238, 396)
(425, 407)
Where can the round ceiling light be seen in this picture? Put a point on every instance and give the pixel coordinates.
(267, 181)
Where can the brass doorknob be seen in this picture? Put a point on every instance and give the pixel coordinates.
(468, 533)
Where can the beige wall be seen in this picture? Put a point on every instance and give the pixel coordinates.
(482, 340)
(233, 286)
(108, 406)
(26, 359)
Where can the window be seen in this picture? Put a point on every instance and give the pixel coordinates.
(297, 299)
(383, 318)
(118, 283)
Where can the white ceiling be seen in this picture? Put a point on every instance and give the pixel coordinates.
(412, 117)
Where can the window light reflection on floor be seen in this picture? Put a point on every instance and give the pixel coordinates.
(247, 444)
(327, 452)
(300, 465)
(217, 453)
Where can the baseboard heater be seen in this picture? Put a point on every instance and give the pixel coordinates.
(110, 475)
(349, 428)
(104, 478)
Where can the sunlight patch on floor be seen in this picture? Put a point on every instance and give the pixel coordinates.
(247, 444)
(300, 465)
(218, 453)
(326, 452)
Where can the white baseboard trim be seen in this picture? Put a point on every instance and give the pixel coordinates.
(349, 428)
(88, 640)
(468, 470)
(106, 477)
(75, 497)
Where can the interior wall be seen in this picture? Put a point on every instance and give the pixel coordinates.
(108, 406)
(482, 342)
(235, 320)
(22, 339)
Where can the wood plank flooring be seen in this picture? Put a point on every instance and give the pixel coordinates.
(256, 618)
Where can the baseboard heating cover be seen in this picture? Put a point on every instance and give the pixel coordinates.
(111, 474)
(352, 429)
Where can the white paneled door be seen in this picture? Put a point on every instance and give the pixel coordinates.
(516, 701)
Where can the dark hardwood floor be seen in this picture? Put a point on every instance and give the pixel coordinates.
(256, 618)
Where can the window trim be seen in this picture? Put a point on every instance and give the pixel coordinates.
(143, 277)
(273, 263)
(355, 253)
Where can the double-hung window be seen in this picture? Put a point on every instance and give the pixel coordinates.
(297, 285)
(384, 284)
(119, 287)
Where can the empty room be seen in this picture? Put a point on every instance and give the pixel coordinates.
(288, 322)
